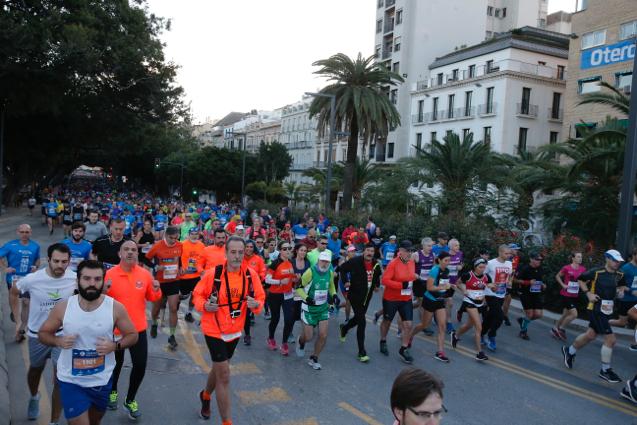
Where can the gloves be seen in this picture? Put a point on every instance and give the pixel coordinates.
(310, 301)
(406, 285)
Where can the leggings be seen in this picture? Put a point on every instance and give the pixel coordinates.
(277, 303)
(359, 322)
(138, 355)
(494, 316)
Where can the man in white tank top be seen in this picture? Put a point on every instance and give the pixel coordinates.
(87, 357)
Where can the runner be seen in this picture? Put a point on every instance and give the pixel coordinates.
(630, 296)
(455, 267)
(569, 292)
(145, 239)
(313, 255)
(530, 280)
(350, 253)
(18, 258)
(106, 248)
(318, 293)
(87, 349)
(281, 278)
(362, 278)
(601, 286)
(515, 262)
(256, 263)
(166, 255)
(630, 390)
(223, 318)
(67, 219)
(193, 264)
(300, 265)
(425, 260)
(472, 285)
(131, 285)
(216, 254)
(80, 249)
(441, 244)
(186, 226)
(31, 204)
(47, 287)
(388, 251)
(78, 212)
(51, 209)
(94, 228)
(398, 280)
(416, 398)
(500, 271)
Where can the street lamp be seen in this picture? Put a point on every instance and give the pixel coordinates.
(243, 164)
(328, 178)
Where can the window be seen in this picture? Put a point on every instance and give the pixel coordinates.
(439, 78)
(589, 85)
(379, 26)
(396, 67)
(489, 105)
(433, 136)
(381, 3)
(372, 151)
(561, 72)
(377, 51)
(592, 39)
(582, 128)
(486, 135)
(434, 109)
(497, 13)
(526, 101)
(541, 23)
(421, 107)
(553, 137)
(397, 42)
(418, 141)
(504, 12)
(454, 74)
(472, 71)
(448, 133)
(581, 5)
(489, 66)
(467, 103)
(628, 30)
(489, 10)
(524, 132)
(624, 79)
(399, 16)
(452, 98)
(390, 150)
(465, 133)
(393, 96)
(541, 63)
(555, 105)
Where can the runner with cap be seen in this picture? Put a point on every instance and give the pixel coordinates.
(456, 259)
(530, 280)
(350, 253)
(515, 262)
(601, 286)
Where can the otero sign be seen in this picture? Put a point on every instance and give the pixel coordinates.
(608, 55)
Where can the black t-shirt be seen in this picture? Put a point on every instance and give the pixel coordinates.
(146, 238)
(107, 251)
(526, 272)
(67, 216)
(603, 283)
(78, 213)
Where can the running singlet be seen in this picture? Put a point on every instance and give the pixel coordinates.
(388, 252)
(79, 252)
(440, 277)
(52, 209)
(526, 272)
(455, 264)
(500, 273)
(603, 284)
(169, 257)
(570, 276)
(475, 286)
(277, 271)
(424, 265)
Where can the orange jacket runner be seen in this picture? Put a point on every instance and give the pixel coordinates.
(192, 259)
(167, 256)
(220, 324)
(256, 263)
(278, 271)
(133, 290)
(214, 255)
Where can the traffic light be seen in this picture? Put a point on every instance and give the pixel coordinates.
(157, 162)
(194, 192)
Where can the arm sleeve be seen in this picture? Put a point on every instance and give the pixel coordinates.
(270, 273)
(332, 288)
(343, 269)
(305, 280)
(259, 293)
(152, 252)
(202, 291)
(376, 275)
(388, 277)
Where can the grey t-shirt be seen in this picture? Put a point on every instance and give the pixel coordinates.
(94, 231)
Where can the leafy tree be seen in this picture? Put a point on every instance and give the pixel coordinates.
(274, 162)
(362, 106)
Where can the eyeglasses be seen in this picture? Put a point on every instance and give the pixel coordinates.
(322, 243)
(286, 248)
(429, 415)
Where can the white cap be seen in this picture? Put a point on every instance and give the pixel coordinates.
(614, 254)
(325, 256)
(240, 227)
(392, 237)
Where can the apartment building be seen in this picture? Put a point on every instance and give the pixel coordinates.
(507, 91)
(602, 49)
(411, 34)
(299, 135)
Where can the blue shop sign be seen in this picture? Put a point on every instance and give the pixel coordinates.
(608, 55)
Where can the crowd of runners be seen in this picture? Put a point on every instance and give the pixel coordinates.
(118, 252)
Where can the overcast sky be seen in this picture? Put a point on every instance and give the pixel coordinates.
(238, 55)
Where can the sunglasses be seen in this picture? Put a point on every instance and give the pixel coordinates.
(286, 248)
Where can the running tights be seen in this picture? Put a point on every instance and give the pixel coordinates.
(138, 355)
(359, 322)
(277, 303)
(494, 316)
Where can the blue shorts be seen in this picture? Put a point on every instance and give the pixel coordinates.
(77, 400)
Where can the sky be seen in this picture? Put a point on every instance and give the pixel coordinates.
(239, 55)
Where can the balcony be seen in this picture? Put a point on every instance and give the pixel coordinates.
(526, 110)
(418, 118)
(389, 26)
(386, 54)
(556, 115)
(422, 85)
(487, 109)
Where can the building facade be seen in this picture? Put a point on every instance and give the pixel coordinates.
(411, 34)
(602, 49)
(507, 91)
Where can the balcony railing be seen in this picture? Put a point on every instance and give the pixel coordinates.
(386, 54)
(556, 114)
(422, 85)
(526, 110)
(389, 26)
(418, 118)
(487, 109)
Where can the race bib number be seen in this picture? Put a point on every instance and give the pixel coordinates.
(146, 248)
(389, 256)
(475, 294)
(501, 289)
(86, 362)
(170, 271)
(75, 261)
(160, 225)
(407, 291)
(572, 288)
(453, 270)
(633, 286)
(607, 307)
(231, 337)
(536, 287)
(320, 297)
(288, 295)
(424, 274)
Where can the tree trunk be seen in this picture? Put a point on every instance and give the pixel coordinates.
(349, 174)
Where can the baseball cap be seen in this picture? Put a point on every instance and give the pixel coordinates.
(325, 256)
(194, 230)
(240, 227)
(614, 255)
(514, 246)
(351, 248)
(406, 244)
(536, 256)
(392, 237)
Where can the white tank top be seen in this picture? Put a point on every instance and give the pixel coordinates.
(81, 365)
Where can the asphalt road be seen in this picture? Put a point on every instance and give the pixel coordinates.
(525, 382)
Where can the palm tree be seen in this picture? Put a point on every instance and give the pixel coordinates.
(616, 99)
(365, 172)
(362, 105)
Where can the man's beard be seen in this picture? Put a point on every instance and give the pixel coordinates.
(76, 239)
(323, 269)
(91, 293)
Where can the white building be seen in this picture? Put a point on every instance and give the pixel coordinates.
(508, 90)
(410, 34)
(256, 127)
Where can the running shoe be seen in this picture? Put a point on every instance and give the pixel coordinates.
(481, 356)
(491, 345)
(342, 333)
(313, 363)
(405, 355)
(112, 401)
(133, 410)
(188, 317)
(555, 333)
(609, 375)
(33, 410)
(428, 331)
(506, 321)
(299, 349)
(383, 348)
(291, 339)
(271, 344)
(363, 357)
(628, 392)
(450, 328)
(562, 334)
(441, 357)
(454, 339)
(376, 317)
(568, 358)
(204, 413)
(266, 315)
(172, 342)
(524, 335)
(247, 340)
(153, 331)
(285, 349)
(633, 347)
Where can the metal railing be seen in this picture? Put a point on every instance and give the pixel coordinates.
(389, 26)
(556, 114)
(487, 109)
(527, 110)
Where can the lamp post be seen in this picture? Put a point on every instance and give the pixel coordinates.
(630, 170)
(328, 178)
(243, 164)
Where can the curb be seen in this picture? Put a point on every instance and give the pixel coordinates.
(5, 405)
